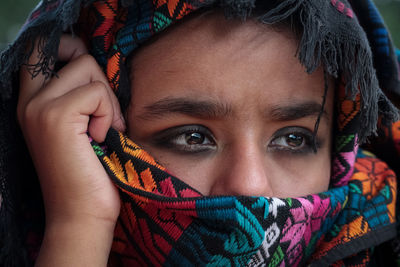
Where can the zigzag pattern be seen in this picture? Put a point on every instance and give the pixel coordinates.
(341, 7)
(165, 222)
(342, 168)
(348, 109)
(121, 30)
(372, 189)
(160, 225)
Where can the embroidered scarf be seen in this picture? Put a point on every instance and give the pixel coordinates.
(165, 222)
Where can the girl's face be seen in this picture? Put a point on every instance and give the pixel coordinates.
(226, 107)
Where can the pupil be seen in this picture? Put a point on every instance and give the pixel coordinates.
(294, 140)
(194, 138)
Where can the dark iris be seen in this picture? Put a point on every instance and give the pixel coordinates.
(294, 140)
(194, 138)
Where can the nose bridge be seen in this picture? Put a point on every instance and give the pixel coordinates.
(244, 173)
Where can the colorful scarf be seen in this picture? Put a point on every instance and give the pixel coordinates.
(164, 221)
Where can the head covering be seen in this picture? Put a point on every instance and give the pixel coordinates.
(164, 221)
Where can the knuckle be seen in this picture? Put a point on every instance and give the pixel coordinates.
(36, 115)
(27, 113)
(87, 59)
(49, 113)
(46, 116)
(100, 91)
(98, 88)
(89, 64)
(98, 85)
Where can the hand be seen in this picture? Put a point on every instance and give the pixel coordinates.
(55, 116)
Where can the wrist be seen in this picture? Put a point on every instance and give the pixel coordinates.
(76, 242)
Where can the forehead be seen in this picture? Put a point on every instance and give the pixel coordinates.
(209, 56)
(211, 30)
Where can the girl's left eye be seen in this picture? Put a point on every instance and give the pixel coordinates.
(292, 139)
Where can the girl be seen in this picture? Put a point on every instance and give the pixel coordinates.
(259, 118)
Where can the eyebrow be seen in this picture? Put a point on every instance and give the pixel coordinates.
(296, 111)
(186, 106)
(209, 109)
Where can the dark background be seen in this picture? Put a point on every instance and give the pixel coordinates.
(14, 12)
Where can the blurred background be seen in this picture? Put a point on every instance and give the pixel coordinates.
(14, 12)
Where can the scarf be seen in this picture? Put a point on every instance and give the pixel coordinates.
(164, 221)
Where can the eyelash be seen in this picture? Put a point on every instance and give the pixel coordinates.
(310, 143)
(169, 139)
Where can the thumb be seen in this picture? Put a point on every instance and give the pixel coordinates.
(70, 48)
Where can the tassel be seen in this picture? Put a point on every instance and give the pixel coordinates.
(347, 56)
(47, 29)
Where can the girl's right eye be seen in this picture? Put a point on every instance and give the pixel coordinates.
(186, 139)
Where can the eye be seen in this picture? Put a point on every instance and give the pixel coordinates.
(188, 138)
(292, 139)
(191, 138)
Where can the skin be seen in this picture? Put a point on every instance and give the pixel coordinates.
(81, 204)
(237, 85)
(247, 69)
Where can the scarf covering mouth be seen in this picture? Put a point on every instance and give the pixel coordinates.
(165, 222)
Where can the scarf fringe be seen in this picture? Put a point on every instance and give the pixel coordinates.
(238, 8)
(317, 46)
(350, 59)
(46, 30)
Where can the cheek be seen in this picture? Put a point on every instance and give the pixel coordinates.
(303, 176)
(282, 177)
(198, 173)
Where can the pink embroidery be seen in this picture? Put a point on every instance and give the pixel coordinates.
(188, 193)
(341, 7)
(53, 6)
(346, 164)
(349, 13)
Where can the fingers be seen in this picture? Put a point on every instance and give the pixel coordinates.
(69, 49)
(30, 86)
(88, 100)
(82, 70)
(73, 48)
(55, 116)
